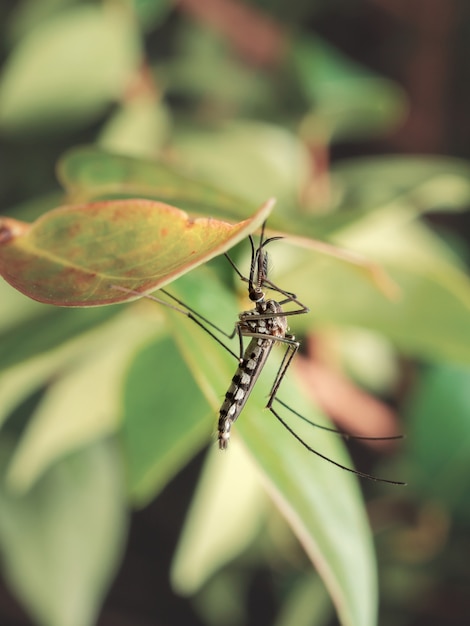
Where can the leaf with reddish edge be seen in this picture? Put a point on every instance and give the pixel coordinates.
(82, 255)
(88, 173)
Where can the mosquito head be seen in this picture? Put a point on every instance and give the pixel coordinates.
(256, 294)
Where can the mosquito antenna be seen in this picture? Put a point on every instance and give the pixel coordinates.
(265, 282)
(335, 430)
(263, 262)
(325, 458)
(255, 260)
(289, 294)
(271, 239)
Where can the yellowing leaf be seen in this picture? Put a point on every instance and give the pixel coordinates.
(82, 255)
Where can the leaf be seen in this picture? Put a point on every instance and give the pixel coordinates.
(45, 82)
(15, 308)
(151, 14)
(164, 419)
(320, 502)
(30, 13)
(61, 542)
(307, 604)
(139, 127)
(219, 503)
(249, 158)
(439, 436)
(349, 101)
(351, 259)
(50, 329)
(84, 402)
(279, 163)
(81, 255)
(362, 188)
(423, 183)
(204, 69)
(34, 352)
(90, 173)
(430, 316)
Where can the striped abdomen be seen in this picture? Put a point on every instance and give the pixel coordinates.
(242, 384)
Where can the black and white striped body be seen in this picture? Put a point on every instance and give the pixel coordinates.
(265, 325)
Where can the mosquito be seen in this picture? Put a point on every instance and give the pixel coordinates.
(265, 325)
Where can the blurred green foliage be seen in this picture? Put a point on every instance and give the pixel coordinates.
(101, 408)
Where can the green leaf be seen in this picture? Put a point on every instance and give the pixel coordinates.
(15, 309)
(399, 185)
(349, 101)
(45, 82)
(151, 13)
(424, 183)
(307, 604)
(93, 254)
(34, 352)
(28, 14)
(90, 173)
(429, 316)
(218, 503)
(249, 159)
(439, 436)
(84, 402)
(140, 127)
(49, 330)
(205, 68)
(61, 542)
(164, 418)
(320, 502)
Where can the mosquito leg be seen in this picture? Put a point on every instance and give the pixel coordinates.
(325, 458)
(269, 316)
(335, 430)
(292, 347)
(238, 330)
(235, 268)
(290, 297)
(287, 340)
(285, 364)
(201, 317)
(211, 334)
(198, 319)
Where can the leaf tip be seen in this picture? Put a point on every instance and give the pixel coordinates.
(11, 229)
(269, 204)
